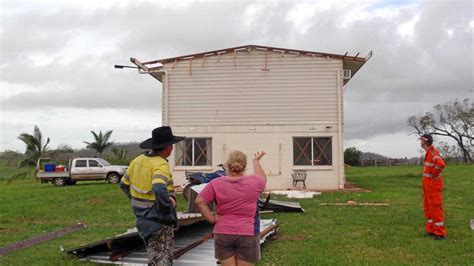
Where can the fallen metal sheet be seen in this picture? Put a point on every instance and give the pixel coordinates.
(268, 227)
(40, 239)
(193, 193)
(187, 218)
(202, 254)
(199, 188)
(279, 206)
(124, 243)
(183, 237)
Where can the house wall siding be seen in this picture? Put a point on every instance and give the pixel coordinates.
(296, 89)
(278, 163)
(242, 107)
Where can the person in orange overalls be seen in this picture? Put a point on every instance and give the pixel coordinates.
(432, 189)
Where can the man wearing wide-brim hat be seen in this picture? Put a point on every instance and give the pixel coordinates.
(149, 185)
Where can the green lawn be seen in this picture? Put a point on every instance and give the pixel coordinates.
(322, 235)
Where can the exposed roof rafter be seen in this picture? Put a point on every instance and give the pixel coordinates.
(257, 47)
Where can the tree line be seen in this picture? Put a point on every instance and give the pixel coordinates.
(37, 148)
(451, 120)
(38, 151)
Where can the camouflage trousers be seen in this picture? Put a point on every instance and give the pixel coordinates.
(159, 246)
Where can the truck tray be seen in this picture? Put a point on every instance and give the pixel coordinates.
(42, 174)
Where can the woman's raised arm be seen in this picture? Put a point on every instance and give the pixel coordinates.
(257, 168)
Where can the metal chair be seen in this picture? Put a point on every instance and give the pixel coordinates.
(299, 176)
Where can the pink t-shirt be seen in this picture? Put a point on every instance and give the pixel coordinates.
(236, 203)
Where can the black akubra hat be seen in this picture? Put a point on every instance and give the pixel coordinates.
(161, 137)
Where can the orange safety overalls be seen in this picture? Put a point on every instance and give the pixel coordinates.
(432, 192)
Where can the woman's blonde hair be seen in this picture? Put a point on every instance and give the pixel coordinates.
(236, 162)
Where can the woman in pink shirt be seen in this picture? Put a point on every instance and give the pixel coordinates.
(236, 223)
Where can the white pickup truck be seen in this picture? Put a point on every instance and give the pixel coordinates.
(82, 169)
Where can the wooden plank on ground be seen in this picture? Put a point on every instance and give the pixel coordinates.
(40, 239)
(354, 204)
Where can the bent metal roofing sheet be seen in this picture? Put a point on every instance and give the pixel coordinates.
(202, 254)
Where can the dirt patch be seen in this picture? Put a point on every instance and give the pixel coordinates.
(351, 187)
(9, 230)
(95, 201)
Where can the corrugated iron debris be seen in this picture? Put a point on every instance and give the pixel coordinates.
(279, 206)
(194, 245)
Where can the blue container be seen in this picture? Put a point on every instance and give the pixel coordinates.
(49, 167)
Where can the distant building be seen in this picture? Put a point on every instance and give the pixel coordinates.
(284, 101)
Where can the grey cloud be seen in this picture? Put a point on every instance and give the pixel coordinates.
(377, 118)
(405, 76)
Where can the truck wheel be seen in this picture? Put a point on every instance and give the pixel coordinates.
(113, 178)
(59, 181)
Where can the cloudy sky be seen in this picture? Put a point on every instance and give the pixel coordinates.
(57, 57)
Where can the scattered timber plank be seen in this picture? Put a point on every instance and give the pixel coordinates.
(178, 253)
(354, 204)
(116, 255)
(40, 238)
(269, 229)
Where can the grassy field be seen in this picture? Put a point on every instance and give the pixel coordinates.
(322, 235)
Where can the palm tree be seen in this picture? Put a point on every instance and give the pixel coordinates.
(36, 148)
(101, 141)
(119, 154)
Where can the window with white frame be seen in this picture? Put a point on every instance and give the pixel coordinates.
(312, 151)
(194, 152)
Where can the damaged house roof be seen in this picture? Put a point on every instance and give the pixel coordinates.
(350, 62)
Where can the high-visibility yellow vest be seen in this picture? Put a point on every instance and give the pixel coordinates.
(143, 172)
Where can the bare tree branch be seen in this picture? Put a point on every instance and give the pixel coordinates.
(453, 119)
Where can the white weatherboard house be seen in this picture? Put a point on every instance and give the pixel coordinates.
(286, 102)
